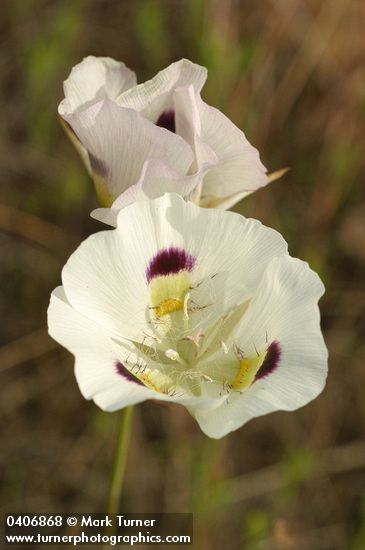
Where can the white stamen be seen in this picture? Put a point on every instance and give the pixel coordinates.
(172, 354)
(151, 335)
(186, 299)
(224, 347)
(195, 339)
(206, 378)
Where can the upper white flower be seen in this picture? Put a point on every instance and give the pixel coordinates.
(122, 130)
(195, 306)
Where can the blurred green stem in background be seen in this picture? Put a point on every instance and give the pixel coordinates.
(120, 458)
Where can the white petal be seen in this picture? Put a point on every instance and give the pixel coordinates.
(156, 180)
(223, 203)
(188, 125)
(105, 279)
(236, 170)
(284, 310)
(93, 79)
(231, 252)
(187, 116)
(239, 169)
(285, 302)
(224, 242)
(233, 249)
(103, 283)
(109, 216)
(154, 96)
(120, 141)
(96, 355)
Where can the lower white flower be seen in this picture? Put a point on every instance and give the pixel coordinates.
(195, 306)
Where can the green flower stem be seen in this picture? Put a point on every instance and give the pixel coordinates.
(120, 458)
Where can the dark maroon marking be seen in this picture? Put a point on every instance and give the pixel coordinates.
(169, 261)
(167, 120)
(98, 166)
(125, 373)
(271, 361)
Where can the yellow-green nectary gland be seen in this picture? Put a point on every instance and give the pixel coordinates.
(167, 293)
(248, 368)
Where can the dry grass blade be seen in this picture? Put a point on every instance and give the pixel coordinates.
(316, 42)
(31, 227)
(332, 461)
(24, 349)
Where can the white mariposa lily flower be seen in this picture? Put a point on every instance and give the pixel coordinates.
(194, 306)
(117, 126)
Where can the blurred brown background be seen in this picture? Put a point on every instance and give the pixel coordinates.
(291, 74)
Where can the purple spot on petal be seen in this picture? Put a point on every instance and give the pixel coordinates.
(167, 120)
(169, 261)
(125, 373)
(98, 166)
(271, 361)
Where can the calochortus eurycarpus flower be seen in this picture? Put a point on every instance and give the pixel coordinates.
(195, 306)
(120, 127)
